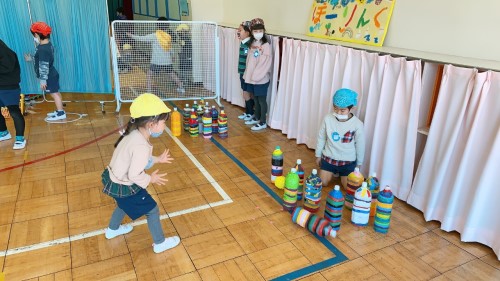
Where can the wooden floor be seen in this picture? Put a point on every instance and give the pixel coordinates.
(248, 239)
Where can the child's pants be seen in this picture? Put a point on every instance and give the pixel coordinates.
(260, 108)
(17, 116)
(153, 218)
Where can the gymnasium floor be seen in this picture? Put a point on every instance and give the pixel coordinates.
(52, 212)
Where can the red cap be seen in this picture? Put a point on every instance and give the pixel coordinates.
(41, 27)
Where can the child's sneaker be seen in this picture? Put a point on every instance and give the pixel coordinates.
(52, 114)
(59, 116)
(123, 229)
(251, 122)
(19, 144)
(169, 243)
(249, 117)
(242, 116)
(258, 127)
(5, 136)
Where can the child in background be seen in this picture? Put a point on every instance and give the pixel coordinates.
(10, 95)
(341, 139)
(161, 57)
(124, 59)
(258, 73)
(125, 179)
(120, 14)
(186, 53)
(244, 36)
(44, 67)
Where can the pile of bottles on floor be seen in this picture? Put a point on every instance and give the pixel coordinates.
(302, 198)
(199, 119)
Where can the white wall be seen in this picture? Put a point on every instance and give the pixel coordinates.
(460, 28)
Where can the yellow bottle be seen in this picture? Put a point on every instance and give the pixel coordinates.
(176, 123)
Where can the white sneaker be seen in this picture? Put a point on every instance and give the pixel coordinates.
(51, 114)
(252, 122)
(181, 90)
(56, 117)
(169, 243)
(19, 144)
(259, 127)
(242, 116)
(6, 137)
(123, 229)
(249, 117)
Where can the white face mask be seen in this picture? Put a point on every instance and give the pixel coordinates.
(37, 40)
(258, 35)
(341, 116)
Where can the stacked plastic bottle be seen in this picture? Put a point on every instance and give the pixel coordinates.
(300, 173)
(215, 119)
(207, 124)
(384, 210)
(200, 113)
(312, 194)
(193, 124)
(290, 193)
(361, 206)
(276, 164)
(374, 187)
(334, 206)
(186, 113)
(176, 123)
(354, 181)
(222, 123)
(195, 106)
(312, 222)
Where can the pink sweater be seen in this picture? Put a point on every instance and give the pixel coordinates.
(258, 69)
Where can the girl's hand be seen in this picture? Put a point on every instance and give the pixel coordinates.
(27, 57)
(165, 157)
(318, 161)
(43, 87)
(158, 178)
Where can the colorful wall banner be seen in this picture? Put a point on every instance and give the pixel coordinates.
(356, 21)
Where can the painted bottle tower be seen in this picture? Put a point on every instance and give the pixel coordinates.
(354, 181)
(176, 123)
(290, 193)
(334, 206)
(276, 164)
(300, 173)
(312, 192)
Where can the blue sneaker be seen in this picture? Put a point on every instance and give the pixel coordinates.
(5, 136)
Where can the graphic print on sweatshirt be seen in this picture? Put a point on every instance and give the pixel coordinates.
(347, 138)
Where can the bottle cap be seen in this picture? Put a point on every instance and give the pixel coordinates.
(192, 109)
(187, 104)
(299, 161)
(213, 106)
(222, 111)
(387, 188)
(294, 170)
(337, 187)
(175, 108)
(374, 175)
(364, 184)
(314, 172)
(356, 169)
(195, 102)
(206, 110)
(333, 233)
(206, 103)
(278, 147)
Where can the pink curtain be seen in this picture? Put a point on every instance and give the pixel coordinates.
(456, 181)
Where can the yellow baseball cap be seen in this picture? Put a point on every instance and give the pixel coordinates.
(182, 26)
(147, 105)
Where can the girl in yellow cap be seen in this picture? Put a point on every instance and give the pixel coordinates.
(125, 178)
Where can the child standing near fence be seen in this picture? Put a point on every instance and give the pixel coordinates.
(44, 68)
(125, 178)
(244, 36)
(258, 73)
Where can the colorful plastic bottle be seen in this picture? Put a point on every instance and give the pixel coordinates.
(312, 222)
(300, 172)
(195, 106)
(193, 124)
(354, 181)
(361, 206)
(215, 118)
(312, 194)
(186, 114)
(276, 163)
(222, 123)
(374, 187)
(384, 210)
(176, 123)
(333, 208)
(290, 193)
(207, 124)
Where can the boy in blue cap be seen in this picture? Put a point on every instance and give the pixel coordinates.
(341, 139)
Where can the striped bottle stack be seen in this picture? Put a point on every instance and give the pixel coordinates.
(300, 173)
(222, 123)
(334, 206)
(384, 210)
(215, 119)
(186, 114)
(176, 123)
(207, 124)
(193, 124)
(312, 222)
(276, 163)
(290, 193)
(361, 206)
(354, 181)
(312, 196)
(374, 187)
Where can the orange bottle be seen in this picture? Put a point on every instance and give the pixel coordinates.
(176, 123)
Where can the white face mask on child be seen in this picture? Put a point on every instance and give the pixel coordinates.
(258, 35)
(37, 40)
(341, 116)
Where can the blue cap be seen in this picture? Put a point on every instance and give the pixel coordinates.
(345, 97)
